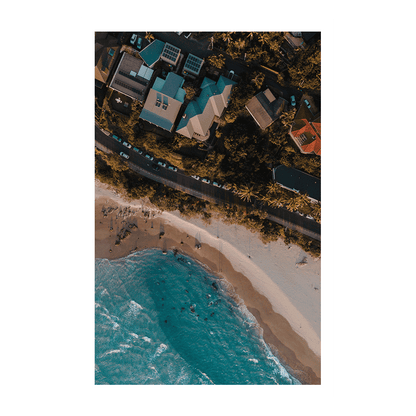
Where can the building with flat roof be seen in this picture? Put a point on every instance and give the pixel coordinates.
(164, 101)
(200, 112)
(170, 54)
(132, 77)
(192, 65)
(298, 181)
(265, 108)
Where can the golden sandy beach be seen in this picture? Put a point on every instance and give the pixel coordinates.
(148, 231)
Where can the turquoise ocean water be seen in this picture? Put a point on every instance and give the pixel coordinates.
(163, 319)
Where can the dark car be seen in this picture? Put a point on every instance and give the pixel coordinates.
(155, 167)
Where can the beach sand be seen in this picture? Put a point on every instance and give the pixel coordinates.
(279, 285)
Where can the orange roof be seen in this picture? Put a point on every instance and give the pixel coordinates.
(314, 146)
(307, 128)
(317, 127)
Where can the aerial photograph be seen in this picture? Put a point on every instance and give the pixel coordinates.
(207, 208)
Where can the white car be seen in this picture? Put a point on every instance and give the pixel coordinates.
(206, 180)
(225, 187)
(172, 168)
(216, 184)
(133, 38)
(128, 145)
(309, 217)
(195, 177)
(163, 164)
(124, 155)
(149, 157)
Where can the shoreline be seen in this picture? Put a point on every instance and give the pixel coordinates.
(254, 287)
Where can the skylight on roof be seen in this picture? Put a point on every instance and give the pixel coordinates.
(111, 52)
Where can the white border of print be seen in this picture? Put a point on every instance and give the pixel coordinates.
(327, 391)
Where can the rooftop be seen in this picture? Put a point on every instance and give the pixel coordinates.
(265, 108)
(193, 65)
(106, 52)
(200, 112)
(298, 181)
(170, 54)
(306, 130)
(164, 101)
(151, 53)
(132, 77)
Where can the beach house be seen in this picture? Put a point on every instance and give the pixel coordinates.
(201, 111)
(305, 130)
(164, 101)
(265, 108)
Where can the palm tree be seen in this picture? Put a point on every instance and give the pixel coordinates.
(250, 35)
(273, 188)
(226, 37)
(263, 38)
(246, 193)
(149, 36)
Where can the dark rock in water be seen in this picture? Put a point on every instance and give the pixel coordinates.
(186, 291)
(205, 319)
(212, 314)
(173, 307)
(166, 322)
(214, 285)
(182, 309)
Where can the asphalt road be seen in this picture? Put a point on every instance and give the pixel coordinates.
(179, 180)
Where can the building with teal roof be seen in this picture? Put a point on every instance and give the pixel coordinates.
(164, 101)
(151, 53)
(201, 111)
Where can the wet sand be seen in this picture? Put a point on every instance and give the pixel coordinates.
(147, 231)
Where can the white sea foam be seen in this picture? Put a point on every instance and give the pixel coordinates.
(161, 348)
(253, 360)
(133, 335)
(110, 352)
(146, 339)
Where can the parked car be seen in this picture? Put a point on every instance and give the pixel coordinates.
(155, 167)
(128, 145)
(161, 163)
(149, 157)
(137, 150)
(124, 155)
(173, 168)
(139, 43)
(225, 187)
(307, 104)
(293, 100)
(216, 184)
(117, 138)
(309, 217)
(206, 180)
(195, 177)
(133, 38)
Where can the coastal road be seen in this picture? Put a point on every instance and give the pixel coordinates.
(180, 181)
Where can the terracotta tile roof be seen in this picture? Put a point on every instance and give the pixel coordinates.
(314, 146)
(312, 131)
(307, 128)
